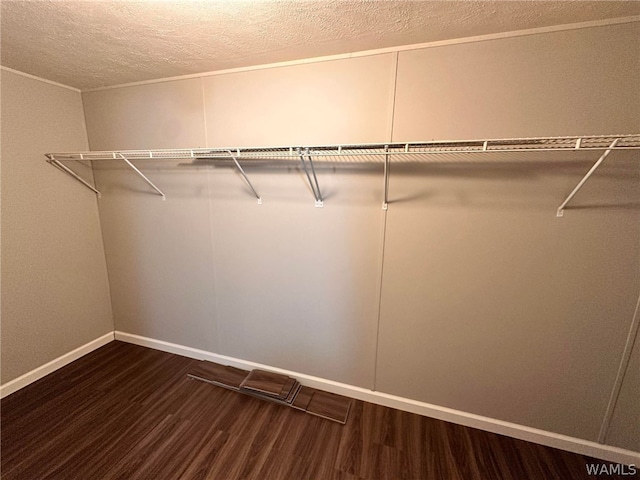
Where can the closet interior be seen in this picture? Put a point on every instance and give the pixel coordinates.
(406, 261)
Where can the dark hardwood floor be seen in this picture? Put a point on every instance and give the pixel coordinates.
(128, 412)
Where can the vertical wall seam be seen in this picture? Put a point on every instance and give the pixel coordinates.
(622, 370)
(383, 234)
(97, 200)
(216, 330)
(88, 147)
(213, 267)
(393, 94)
(204, 113)
(381, 272)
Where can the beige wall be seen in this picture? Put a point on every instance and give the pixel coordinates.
(624, 430)
(490, 304)
(163, 115)
(494, 304)
(297, 285)
(55, 294)
(209, 267)
(574, 82)
(343, 101)
(159, 253)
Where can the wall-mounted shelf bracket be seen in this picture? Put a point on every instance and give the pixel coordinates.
(385, 203)
(135, 169)
(313, 184)
(73, 174)
(244, 175)
(369, 153)
(560, 212)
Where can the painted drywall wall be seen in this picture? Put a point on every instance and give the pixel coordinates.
(343, 101)
(574, 82)
(206, 268)
(624, 430)
(490, 304)
(297, 285)
(55, 293)
(493, 303)
(164, 115)
(497, 306)
(159, 253)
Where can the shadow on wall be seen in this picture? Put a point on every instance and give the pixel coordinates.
(297, 285)
(447, 180)
(504, 184)
(287, 284)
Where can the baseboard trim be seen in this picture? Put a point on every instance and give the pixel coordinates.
(542, 437)
(37, 373)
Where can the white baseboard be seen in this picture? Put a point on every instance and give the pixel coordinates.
(36, 374)
(542, 437)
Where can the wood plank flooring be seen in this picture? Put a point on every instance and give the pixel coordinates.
(275, 387)
(128, 412)
(269, 383)
(223, 375)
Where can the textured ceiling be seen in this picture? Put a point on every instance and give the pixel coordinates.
(89, 44)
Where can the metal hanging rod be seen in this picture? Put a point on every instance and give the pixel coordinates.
(375, 152)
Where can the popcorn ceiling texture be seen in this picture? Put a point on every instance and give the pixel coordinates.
(101, 43)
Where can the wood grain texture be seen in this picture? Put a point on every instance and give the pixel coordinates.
(287, 387)
(303, 398)
(268, 383)
(329, 405)
(129, 412)
(223, 375)
(293, 393)
(264, 384)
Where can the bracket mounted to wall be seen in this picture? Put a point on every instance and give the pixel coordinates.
(371, 153)
(144, 177)
(560, 212)
(64, 168)
(313, 184)
(51, 158)
(385, 202)
(244, 175)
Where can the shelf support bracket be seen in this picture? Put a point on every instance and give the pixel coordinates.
(315, 188)
(244, 175)
(385, 203)
(67, 170)
(560, 212)
(135, 169)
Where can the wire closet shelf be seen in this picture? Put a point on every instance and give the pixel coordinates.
(360, 153)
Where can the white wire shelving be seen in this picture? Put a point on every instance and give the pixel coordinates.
(407, 152)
